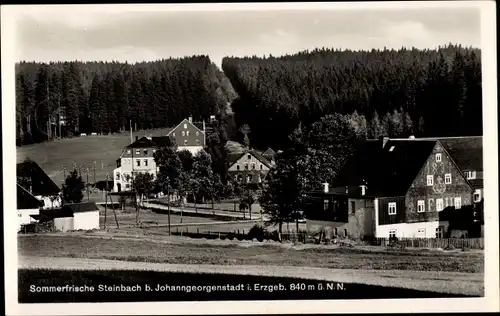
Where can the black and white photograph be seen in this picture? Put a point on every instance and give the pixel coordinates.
(257, 158)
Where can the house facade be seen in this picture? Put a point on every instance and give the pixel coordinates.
(408, 182)
(248, 167)
(137, 157)
(189, 136)
(28, 207)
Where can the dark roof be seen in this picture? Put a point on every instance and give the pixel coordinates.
(388, 170)
(47, 215)
(467, 152)
(41, 184)
(232, 158)
(26, 200)
(81, 207)
(146, 142)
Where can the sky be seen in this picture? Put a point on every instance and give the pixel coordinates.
(136, 33)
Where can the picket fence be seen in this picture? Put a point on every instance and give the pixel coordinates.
(471, 243)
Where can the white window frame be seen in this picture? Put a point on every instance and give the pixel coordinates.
(439, 205)
(430, 180)
(185, 125)
(393, 232)
(421, 206)
(392, 206)
(457, 202)
(438, 158)
(447, 178)
(145, 162)
(478, 193)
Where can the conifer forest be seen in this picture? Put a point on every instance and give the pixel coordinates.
(396, 93)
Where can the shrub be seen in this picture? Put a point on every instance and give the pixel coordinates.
(257, 232)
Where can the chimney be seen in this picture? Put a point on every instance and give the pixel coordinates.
(190, 119)
(325, 187)
(412, 137)
(383, 140)
(363, 189)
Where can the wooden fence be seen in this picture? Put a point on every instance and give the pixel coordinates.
(472, 243)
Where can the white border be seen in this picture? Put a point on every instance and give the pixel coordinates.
(488, 303)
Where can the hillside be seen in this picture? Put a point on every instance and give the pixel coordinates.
(107, 97)
(436, 92)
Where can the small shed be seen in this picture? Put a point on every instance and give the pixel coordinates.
(74, 216)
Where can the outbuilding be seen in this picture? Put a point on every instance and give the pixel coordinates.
(74, 216)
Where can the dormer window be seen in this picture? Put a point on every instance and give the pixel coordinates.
(438, 157)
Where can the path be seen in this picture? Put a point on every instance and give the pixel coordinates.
(442, 282)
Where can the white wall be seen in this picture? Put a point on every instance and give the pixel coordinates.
(24, 217)
(86, 220)
(48, 202)
(193, 149)
(244, 160)
(63, 224)
(408, 230)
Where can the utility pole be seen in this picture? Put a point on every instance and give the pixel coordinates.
(168, 205)
(88, 193)
(94, 172)
(131, 134)
(106, 201)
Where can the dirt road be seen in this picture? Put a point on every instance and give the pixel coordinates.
(443, 282)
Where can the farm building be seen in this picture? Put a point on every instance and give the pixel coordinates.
(409, 183)
(28, 207)
(249, 166)
(74, 216)
(138, 157)
(32, 178)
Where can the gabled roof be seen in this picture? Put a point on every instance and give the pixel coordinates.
(233, 158)
(157, 141)
(26, 200)
(269, 153)
(387, 170)
(81, 207)
(466, 151)
(41, 184)
(196, 125)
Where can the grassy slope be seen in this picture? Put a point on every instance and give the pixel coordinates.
(230, 253)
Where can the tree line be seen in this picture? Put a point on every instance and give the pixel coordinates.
(66, 98)
(431, 92)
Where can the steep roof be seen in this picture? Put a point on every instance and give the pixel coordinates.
(41, 184)
(81, 207)
(387, 170)
(233, 158)
(466, 151)
(26, 200)
(157, 141)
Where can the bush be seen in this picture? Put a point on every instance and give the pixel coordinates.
(257, 232)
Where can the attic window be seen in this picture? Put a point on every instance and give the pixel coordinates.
(392, 148)
(197, 133)
(185, 125)
(249, 156)
(237, 167)
(173, 134)
(438, 157)
(261, 167)
(447, 178)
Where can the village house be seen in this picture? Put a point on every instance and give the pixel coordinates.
(249, 167)
(72, 216)
(33, 179)
(138, 157)
(392, 188)
(28, 207)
